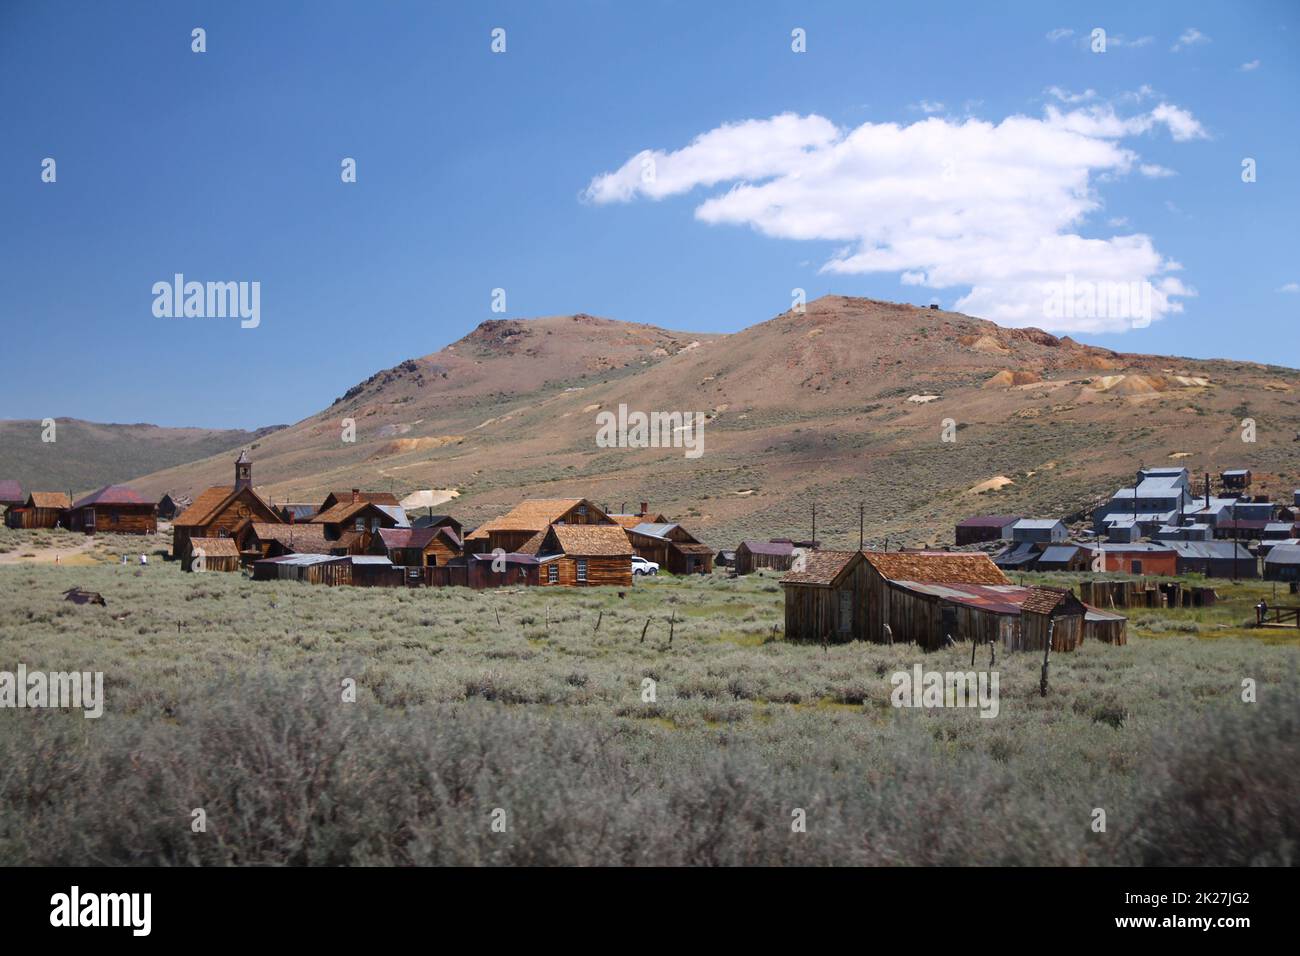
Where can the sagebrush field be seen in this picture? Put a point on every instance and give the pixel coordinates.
(225, 695)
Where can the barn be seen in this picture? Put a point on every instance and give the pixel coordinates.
(220, 510)
(42, 509)
(116, 509)
(672, 547)
(522, 528)
(212, 554)
(585, 555)
(774, 555)
(1054, 611)
(826, 600)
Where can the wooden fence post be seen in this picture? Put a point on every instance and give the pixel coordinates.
(1047, 650)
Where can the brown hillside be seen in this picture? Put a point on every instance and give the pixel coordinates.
(844, 403)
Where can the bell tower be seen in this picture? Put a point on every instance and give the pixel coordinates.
(243, 471)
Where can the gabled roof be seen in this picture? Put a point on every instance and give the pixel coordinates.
(416, 537)
(345, 511)
(1039, 524)
(210, 502)
(941, 567)
(989, 521)
(534, 514)
(11, 492)
(655, 530)
(215, 547)
(1283, 554)
(591, 540)
(376, 497)
(1209, 550)
(822, 568)
(1044, 600)
(298, 538)
(49, 499)
(113, 495)
(776, 548)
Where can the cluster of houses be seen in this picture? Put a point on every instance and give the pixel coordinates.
(366, 538)
(1161, 525)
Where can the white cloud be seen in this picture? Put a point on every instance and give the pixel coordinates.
(1120, 40)
(992, 208)
(1065, 96)
(927, 106)
(1060, 33)
(1190, 37)
(1248, 67)
(1154, 171)
(1290, 287)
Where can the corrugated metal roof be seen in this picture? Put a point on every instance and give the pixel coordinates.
(1210, 550)
(397, 513)
(655, 530)
(368, 559)
(1283, 554)
(302, 559)
(1061, 553)
(995, 598)
(1041, 524)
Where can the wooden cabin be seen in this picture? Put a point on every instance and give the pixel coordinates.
(431, 520)
(926, 596)
(11, 495)
(169, 505)
(1104, 626)
(115, 509)
(355, 524)
(417, 547)
(1054, 610)
(774, 555)
(264, 539)
(585, 556)
(672, 547)
(297, 512)
(42, 509)
(212, 554)
(826, 601)
(521, 530)
(220, 510)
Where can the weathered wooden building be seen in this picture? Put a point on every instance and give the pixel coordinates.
(326, 569)
(42, 509)
(270, 539)
(773, 555)
(355, 524)
(417, 547)
(521, 530)
(985, 528)
(11, 495)
(115, 509)
(1051, 610)
(585, 555)
(826, 601)
(672, 547)
(906, 592)
(169, 505)
(212, 554)
(220, 510)
(345, 496)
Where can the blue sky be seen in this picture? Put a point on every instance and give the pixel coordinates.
(478, 171)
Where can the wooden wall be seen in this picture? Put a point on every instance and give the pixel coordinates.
(131, 519)
(815, 613)
(601, 570)
(1067, 633)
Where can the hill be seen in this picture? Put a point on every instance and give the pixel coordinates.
(843, 404)
(87, 455)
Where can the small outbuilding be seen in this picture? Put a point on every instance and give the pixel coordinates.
(1283, 563)
(212, 554)
(986, 528)
(826, 598)
(116, 509)
(11, 494)
(774, 555)
(1054, 611)
(1039, 530)
(1062, 557)
(42, 509)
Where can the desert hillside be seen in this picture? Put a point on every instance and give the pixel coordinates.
(87, 455)
(842, 404)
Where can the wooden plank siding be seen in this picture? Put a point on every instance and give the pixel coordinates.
(602, 570)
(115, 519)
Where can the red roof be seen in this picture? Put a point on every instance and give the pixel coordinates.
(11, 491)
(113, 495)
(408, 537)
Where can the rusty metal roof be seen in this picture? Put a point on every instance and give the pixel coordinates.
(994, 598)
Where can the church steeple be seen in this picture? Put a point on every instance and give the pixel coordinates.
(243, 471)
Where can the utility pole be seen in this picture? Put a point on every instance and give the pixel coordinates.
(862, 510)
(814, 534)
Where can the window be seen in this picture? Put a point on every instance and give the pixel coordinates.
(113, 517)
(361, 524)
(553, 574)
(1137, 567)
(374, 524)
(582, 570)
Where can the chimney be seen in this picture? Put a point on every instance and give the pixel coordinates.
(356, 495)
(645, 506)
